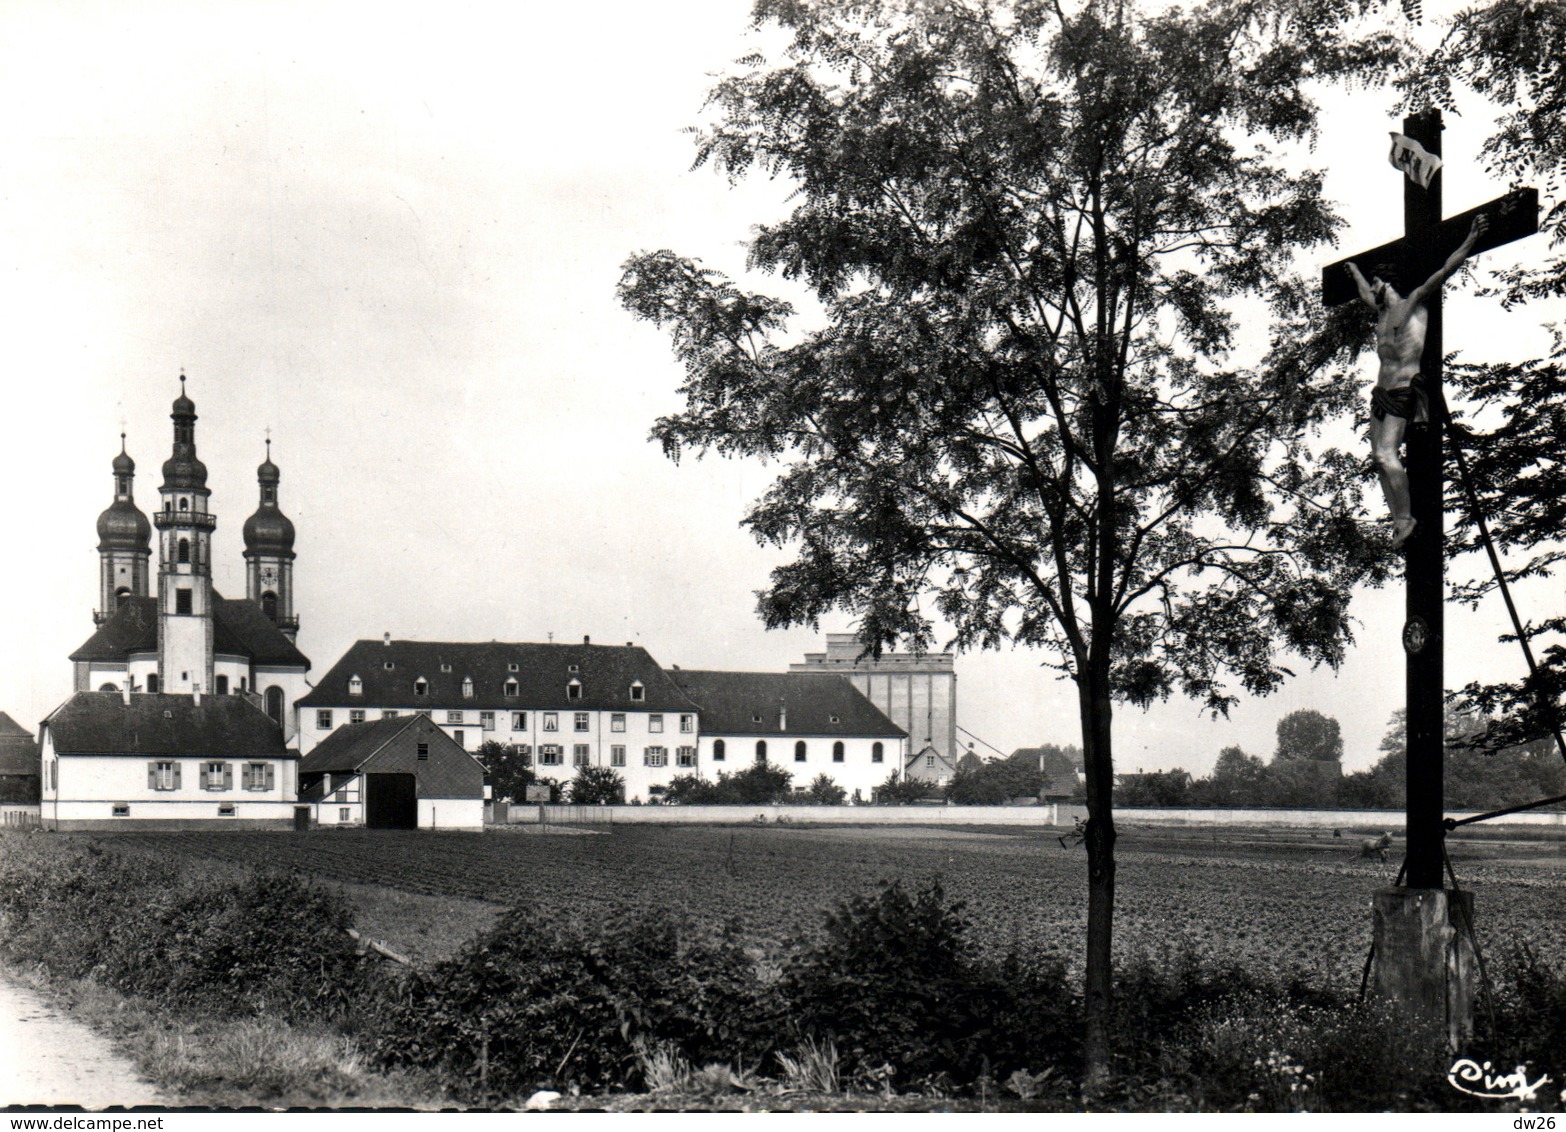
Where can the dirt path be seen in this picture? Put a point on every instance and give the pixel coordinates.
(47, 1057)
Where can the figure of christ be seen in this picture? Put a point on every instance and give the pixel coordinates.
(1399, 395)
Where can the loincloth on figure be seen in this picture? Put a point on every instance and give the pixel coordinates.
(1407, 402)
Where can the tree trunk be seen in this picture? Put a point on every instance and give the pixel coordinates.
(1098, 1001)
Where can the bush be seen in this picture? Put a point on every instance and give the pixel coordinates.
(897, 791)
(824, 792)
(893, 981)
(596, 786)
(759, 785)
(263, 945)
(539, 1002)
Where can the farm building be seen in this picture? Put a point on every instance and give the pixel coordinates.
(398, 773)
(929, 765)
(566, 705)
(18, 763)
(150, 760)
(806, 723)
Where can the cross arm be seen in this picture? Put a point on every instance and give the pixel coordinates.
(1408, 262)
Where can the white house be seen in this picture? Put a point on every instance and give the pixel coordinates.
(567, 705)
(157, 760)
(805, 723)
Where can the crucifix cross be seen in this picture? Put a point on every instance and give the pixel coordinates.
(1427, 241)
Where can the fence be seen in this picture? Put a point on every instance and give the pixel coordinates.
(19, 817)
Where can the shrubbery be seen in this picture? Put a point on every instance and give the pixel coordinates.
(268, 944)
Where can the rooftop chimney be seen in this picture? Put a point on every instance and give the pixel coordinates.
(125, 693)
(386, 640)
(586, 640)
(782, 715)
(195, 691)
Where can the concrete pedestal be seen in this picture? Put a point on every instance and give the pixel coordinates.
(1425, 957)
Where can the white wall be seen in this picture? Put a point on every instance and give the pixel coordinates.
(451, 813)
(745, 815)
(857, 771)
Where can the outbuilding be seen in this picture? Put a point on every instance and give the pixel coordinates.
(398, 773)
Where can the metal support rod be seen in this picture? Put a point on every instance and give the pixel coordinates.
(1453, 823)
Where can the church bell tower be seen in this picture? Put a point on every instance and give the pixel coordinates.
(269, 554)
(124, 544)
(184, 561)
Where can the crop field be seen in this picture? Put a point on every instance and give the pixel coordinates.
(1281, 904)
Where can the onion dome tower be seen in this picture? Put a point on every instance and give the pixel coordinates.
(269, 554)
(124, 544)
(184, 561)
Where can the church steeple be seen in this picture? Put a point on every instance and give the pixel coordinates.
(269, 553)
(124, 543)
(184, 561)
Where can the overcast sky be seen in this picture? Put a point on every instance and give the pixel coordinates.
(391, 234)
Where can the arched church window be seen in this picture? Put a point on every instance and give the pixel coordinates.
(184, 505)
(183, 552)
(761, 750)
(109, 688)
(121, 596)
(269, 605)
(274, 703)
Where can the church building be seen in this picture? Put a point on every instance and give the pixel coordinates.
(175, 673)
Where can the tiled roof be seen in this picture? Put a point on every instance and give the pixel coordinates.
(391, 746)
(927, 750)
(101, 723)
(315, 790)
(542, 673)
(1060, 769)
(239, 628)
(345, 750)
(812, 704)
(18, 752)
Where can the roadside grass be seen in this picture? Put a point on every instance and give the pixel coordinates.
(237, 1062)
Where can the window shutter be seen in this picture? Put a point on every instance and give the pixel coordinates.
(176, 775)
(269, 769)
(228, 776)
(152, 776)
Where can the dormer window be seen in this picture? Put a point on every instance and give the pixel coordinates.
(574, 690)
(572, 668)
(638, 692)
(467, 687)
(388, 666)
(355, 686)
(834, 719)
(445, 668)
(511, 688)
(421, 687)
(513, 667)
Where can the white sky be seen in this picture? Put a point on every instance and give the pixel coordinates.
(391, 233)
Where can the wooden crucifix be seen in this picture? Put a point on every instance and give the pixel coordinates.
(1427, 242)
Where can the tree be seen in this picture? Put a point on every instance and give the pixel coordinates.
(1238, 779)
(1509, 52)
(993, 783)
(596, 786)
(508, 768)
(824, 792)
(897, 791)
(1309, 735)
(1027, 228)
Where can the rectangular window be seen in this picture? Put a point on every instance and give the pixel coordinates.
(225, 809)
(929, 760)
(655, 724)
(389, 713)
(182, 602)
(579, 720)
(323, 719)
(581, 754)
(551, 721)
(166, 776)
(356, 715)
(519, 721)
(216, 776)
(122, 809)
(687, 724)
(655, 756)
(617, 755)
(343, 814)
(258, 776)
(487, 720)
(453, 717)
(549, 754)
(460, 739)
(423, 753)
(686, 756)
(617, 721)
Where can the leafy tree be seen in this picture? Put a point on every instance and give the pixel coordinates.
(596, 786)
(1308, 735)
(897, 791)
(507, 768)
(1238, 779)
(992, 783)
(824, 792)
(1155, 788)
(1026, 228)
(1514, 432)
